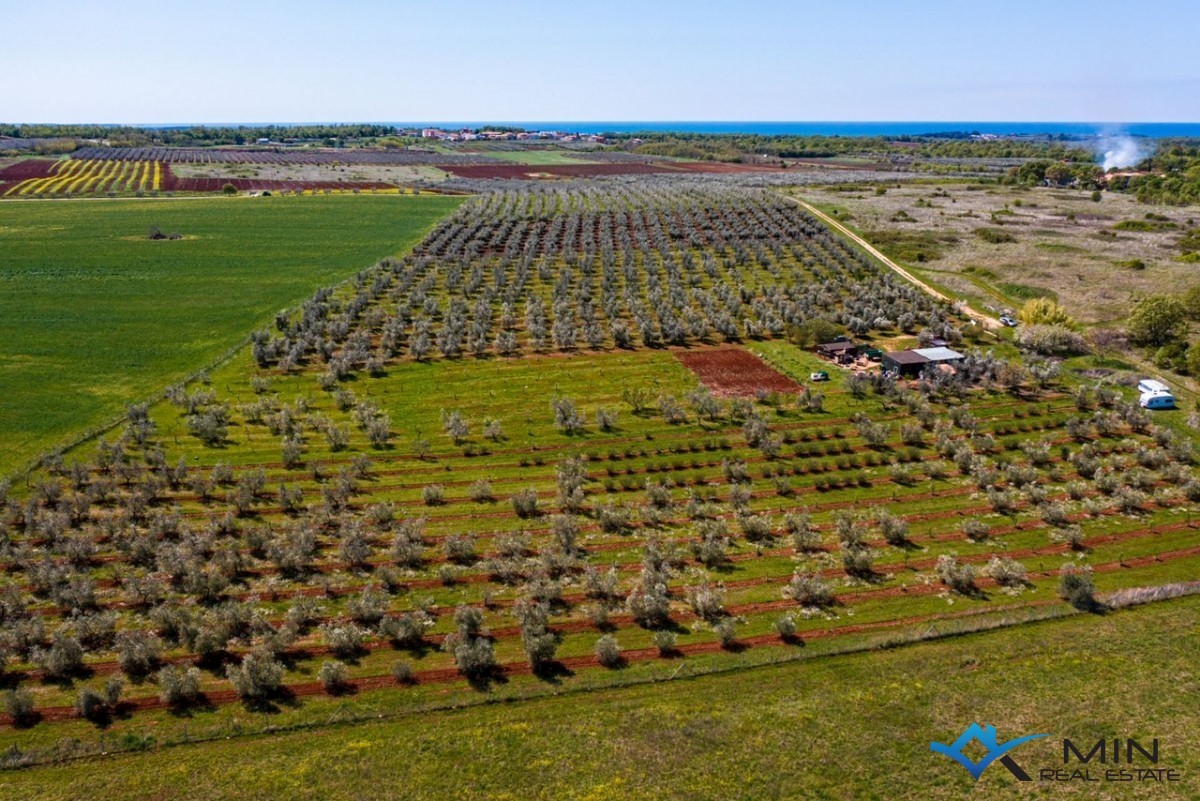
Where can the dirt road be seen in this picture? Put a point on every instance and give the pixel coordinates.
(989, 323)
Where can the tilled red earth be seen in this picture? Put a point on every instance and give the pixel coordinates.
(732, 371)
(24, 170)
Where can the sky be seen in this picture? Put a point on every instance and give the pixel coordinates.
(134, 61)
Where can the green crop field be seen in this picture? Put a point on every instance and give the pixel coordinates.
(854, 726)
(540, 157)
(94, 315)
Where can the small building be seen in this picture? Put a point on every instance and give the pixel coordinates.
(904, 363)
(838, 351)
(940, 355)
(908, 363)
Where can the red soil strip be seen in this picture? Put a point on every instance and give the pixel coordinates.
(735, 372)
(24, 170)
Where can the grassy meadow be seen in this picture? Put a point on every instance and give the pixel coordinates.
(95, 315)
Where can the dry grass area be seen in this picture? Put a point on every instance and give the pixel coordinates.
(386, 173)
(1063, 244)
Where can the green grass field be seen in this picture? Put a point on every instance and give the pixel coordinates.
(539, 157)
(845, 727)
(94, 315)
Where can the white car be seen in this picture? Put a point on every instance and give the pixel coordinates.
(1008, 321)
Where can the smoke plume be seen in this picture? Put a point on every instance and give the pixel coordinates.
(1119, 152)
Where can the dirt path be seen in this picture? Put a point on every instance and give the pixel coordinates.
(989, 323)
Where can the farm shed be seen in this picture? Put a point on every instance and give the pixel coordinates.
(838, 351)
(904, 362)
(912, 362)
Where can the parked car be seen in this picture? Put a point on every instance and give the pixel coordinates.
(820, 375)
(1008, 321)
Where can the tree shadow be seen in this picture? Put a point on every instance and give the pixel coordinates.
(553, 672)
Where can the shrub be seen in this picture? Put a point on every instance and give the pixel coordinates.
(893, 528)
(525, 503)
(460, 548)
(63, 658)
(1045, 311)
(975, 530)
(726, 631)
(1157, 320)
(809, 589)
(178, 687)
(857, 561)
(137, 652)
(18, 703)
(1052, 340)
(333, 676)
(434, 495)
(956, 576)
(481, 491)
(664, 640)
(756, 528)
(402, 672)
(707, 601)
(1075, 586)
(1007, 572)
(785, 626)
(259, 676)
(91, 706)
(608, 651)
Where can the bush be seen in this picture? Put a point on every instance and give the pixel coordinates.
(178, 687)
(726, 631)
(137, 652)
(1052, 340)
(1007, 572)
(89, 705)
(525, 503)
(434, 495)
(608, 651)
(258, 677)
(344, 641)
(1157, 320)
(956, 576)
(1047, 312)
(975, 530)
(1075, 586)
(664, 640)
(809, 589)
(18, 704)
(63, 658)
(402, 672)
(333, 676)
(785, 627)
(707, 601)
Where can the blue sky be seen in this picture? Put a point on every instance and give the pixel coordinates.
(169, 61)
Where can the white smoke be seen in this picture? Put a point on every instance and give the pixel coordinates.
(1119, 152)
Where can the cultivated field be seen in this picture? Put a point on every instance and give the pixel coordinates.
(486, 467)
(1002, 245)
(95, 315)
(808, 728)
